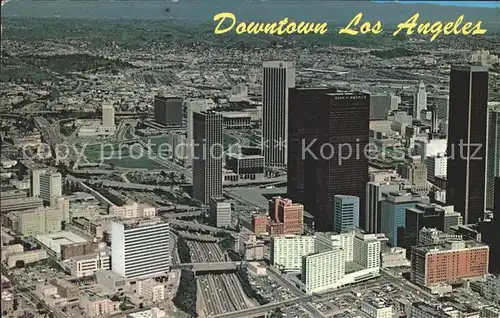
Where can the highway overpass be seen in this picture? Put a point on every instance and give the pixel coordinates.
(182, 214)
(261, 310)
(196, 226)
(208, 267)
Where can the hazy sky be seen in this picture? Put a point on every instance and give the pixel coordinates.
(483, 4)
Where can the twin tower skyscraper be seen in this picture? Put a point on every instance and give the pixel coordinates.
(320, 136)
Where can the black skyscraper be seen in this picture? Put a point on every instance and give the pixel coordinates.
(304, 113)
(467, 141)
(423, 215)
(168, 110)
(343, 165)
(497, 198)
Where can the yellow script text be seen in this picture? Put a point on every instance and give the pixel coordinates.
(436, 28)
(365, 27)
(227, 22)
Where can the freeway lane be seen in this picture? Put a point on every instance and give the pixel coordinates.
(265, 308)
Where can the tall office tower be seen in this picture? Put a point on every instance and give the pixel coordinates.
(208, 152)
(393, 214)
(220, 212)
(466, 176)
(35, 182)
(196, 106)
(50, 186)
(278, 77)
(493, 151)
(304, 113)
(381, 105)
(374, 191)
(343, 165)
(422, 215)
(168, 110)
(108, 115)
(290, 214)
(419, 101)
(140, 248)
(497, 196)
(345, 212)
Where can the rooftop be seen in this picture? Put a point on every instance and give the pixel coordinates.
(55, 240)
(234, 114)
(135, 223)
(242, 156)
(451, 244)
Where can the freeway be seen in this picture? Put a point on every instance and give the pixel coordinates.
(197, 226)
(222, 293)
(26, 292)
(182, 214)
(213, 266)
(125, 185)
(259, 311)
(262, 182)
(49, 134)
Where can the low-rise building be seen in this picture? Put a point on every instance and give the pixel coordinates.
(66, 289)
(87, 265)
(150, 290)
(259, 224)
(151, 313)
(97, 306)
(376, 308)
(395, 257)
(443, 310)
(253, 249)
(7, 302)
(19, 204)
(11, 249)
(27, 257)
(38, 221)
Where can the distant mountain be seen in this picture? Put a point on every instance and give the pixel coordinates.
(334, 12)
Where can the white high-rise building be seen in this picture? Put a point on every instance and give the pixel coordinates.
(367, 249)
(322, 270)
(287, 250)
(278, 77)
(419, 101)
(140, 248)
(346, 242)
(50, 186)
(35, 181)
(108, 116)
